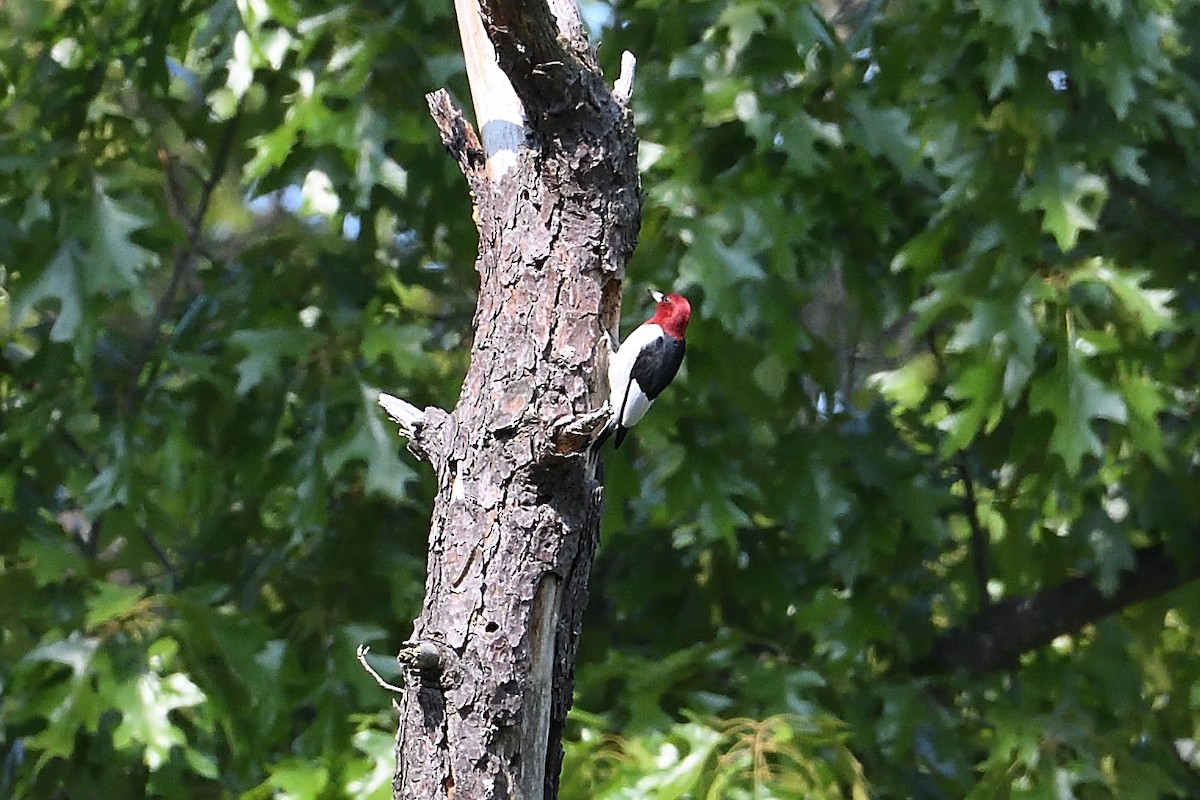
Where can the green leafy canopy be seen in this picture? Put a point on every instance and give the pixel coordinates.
(943, 359)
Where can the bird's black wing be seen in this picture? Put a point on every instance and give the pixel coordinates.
(655, 366)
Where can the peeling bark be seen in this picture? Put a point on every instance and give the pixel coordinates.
(517, 516)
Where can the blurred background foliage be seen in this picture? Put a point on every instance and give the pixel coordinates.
(943, 256)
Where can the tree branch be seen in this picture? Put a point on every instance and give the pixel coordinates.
(414, 423)
(459, 138)
(185, 257)
(979, 536)
(525, 34)
(994, 638)
(1134, 193)
(623, 88)
(552, 69)
(498, 112)
(361, 653)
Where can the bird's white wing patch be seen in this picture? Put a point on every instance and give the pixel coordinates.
(625, 397)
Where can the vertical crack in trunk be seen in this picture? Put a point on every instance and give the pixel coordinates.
(543, 626)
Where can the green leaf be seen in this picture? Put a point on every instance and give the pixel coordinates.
(719, 268)
(771, 376)
(267, 349)
(403, 344)
(1070, 200)
(114, 261)
(1125, 161)
(908, 385)
(1149, 307)
(1119, 86)
(146, 703)
(979, 387)
(1144, 399)
(824, 500)
(60, 280)
(271, 149)
(1075, 399)
(379, 747)
(1003, 329)
(110, 487)
(76, 652)
(203, 764)
(111, 601)
(801, 135)
(1023, 17)
(51, 560)
(1111, 549)
(297, 780)
(887, 132)
(68, 709)
(375, 442)
(317, 196)
(742, 21)
(1003, 76)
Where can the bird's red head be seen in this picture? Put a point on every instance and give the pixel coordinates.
(672, 313)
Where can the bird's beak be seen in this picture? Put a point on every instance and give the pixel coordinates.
(657, 295)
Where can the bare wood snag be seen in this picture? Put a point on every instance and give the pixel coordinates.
(517, 515)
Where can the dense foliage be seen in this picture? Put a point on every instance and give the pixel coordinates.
(943, 260)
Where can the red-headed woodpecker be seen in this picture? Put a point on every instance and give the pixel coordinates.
(645, 363)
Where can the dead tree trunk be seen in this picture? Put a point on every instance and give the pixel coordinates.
(517, 516)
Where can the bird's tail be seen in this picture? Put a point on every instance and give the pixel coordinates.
(609, 428)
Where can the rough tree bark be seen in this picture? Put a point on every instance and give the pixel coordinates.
(517, 515)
